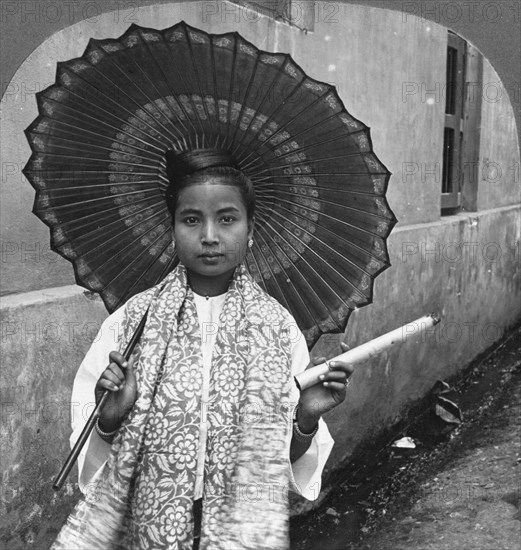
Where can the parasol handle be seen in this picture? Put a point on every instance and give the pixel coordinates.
(370, 349)
(78, 446)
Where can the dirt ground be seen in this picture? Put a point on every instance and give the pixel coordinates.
(459, 491)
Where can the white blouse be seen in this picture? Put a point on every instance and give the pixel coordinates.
(306, 472)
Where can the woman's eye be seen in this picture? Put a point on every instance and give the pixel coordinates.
(228, 219)
(190, 220)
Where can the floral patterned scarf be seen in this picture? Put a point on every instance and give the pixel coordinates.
(145, 496)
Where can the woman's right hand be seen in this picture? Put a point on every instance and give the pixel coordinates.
(120, 380)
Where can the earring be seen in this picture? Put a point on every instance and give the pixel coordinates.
(250, 243)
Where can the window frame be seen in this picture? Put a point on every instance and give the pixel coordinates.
(454, 127)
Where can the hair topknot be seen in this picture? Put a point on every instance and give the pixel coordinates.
(185, 163)
(197, 165)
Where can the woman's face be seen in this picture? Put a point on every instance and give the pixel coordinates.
(211, 229)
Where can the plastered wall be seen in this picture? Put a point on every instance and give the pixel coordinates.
(466, 266)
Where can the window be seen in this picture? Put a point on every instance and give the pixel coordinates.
(461, 138)
(451, 179)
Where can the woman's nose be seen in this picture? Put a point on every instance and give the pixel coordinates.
(209, 234)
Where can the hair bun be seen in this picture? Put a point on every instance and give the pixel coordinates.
(185, 163)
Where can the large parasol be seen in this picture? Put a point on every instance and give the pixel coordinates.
(98, 168)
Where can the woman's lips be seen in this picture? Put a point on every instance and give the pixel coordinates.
(211, 258)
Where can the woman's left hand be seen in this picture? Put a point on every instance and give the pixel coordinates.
(330, 392)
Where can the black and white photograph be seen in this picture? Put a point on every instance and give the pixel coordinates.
(260, 275)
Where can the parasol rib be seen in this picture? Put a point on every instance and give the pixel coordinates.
(306, 284)
(323, 159)
(68, 146)
(331, 249)
(216, 88)
(264, 181)
(274, 81)
(336, 238)
(117, 105)
(290, 120)
(153, 185)
(128, 266)
(327, 203)
(150, 100)
(73, 225)
(130, 243)
(92, 159)
(357, 228)
(167, 81)
(274, 280)
(97, 199)
(103, 123)
(101, 213)
(198, 81)
(340, 276)
(87, 238)
(143, 275)
(279, 106)
(230, 95)
(267, 223)
(243, 106)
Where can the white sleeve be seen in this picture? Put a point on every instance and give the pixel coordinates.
(306, 472)
(95, 451)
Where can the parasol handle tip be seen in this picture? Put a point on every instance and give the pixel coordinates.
(435, 317)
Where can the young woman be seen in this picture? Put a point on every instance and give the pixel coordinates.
(200, 441)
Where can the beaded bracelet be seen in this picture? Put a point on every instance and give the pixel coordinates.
(301, 436)
(106, 436)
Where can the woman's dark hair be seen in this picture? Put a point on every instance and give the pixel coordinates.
(196, 166)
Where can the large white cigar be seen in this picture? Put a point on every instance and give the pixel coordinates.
(370, 349)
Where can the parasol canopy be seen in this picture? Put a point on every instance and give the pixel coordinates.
(98, 168)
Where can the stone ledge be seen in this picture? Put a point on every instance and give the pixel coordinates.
(45, 295)
(456, 218)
